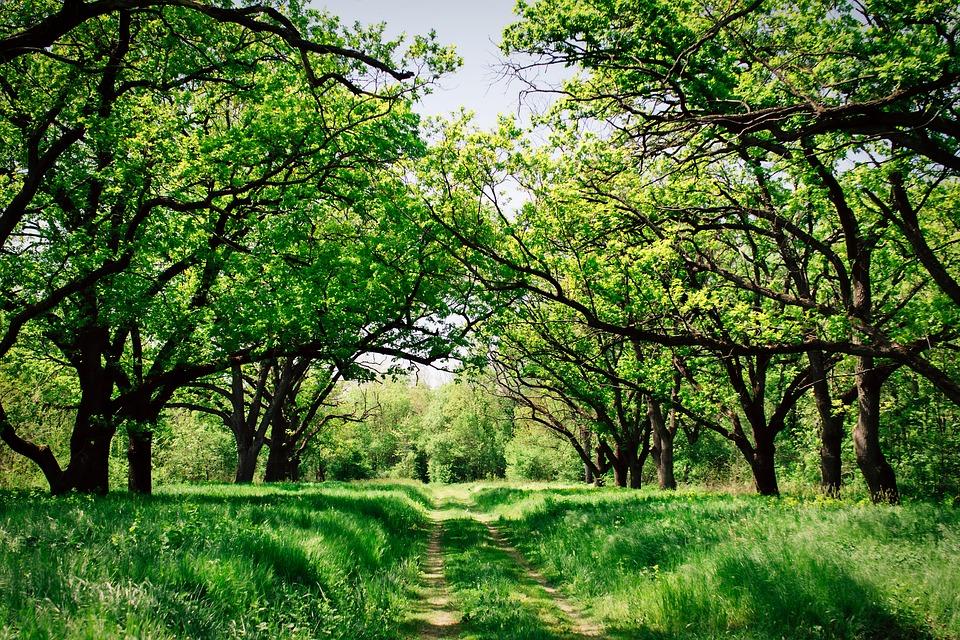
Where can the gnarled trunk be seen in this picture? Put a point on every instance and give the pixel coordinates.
(761, 458)
(89, 468)
(662, 450)
(765, 471)
(663, 456)
(620, 464)
(879, 475)
(831, 428)
(246, 463)
(283, 465)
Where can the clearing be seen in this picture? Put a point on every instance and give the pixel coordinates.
(473, 562)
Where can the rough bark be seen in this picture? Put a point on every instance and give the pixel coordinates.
(764, 469)
(662, 450)
(246, 463)
(283, 465)
(879, 475)
(620, 464)
(831, 428)
(588, 467)
(88, 471)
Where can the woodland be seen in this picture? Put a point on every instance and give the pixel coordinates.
(699, 323)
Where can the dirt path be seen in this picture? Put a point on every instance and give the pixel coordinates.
(435, 617)
(582, 627)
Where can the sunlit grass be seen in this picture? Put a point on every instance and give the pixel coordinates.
(341, 561)
(702, 565)
(496, 598)
(210, 562)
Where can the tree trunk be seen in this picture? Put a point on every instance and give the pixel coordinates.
(140, 457)
(637, 457)
(89, 468)
(662, 450)
(664, 458)
(831, 428)
(636, 471)
(282, 465)
(879, 475)
(587, 438)
(278, 462)
(620, 467)
(762, 462)
(246, 463)
(603, 465)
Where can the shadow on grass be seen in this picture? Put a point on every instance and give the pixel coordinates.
(790, 596)
(211, 562)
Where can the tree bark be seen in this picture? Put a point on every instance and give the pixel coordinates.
(246, 463)
(662, 450)
(831, 428)
(89, 468)
(621, 466)
(587, 438)
(879, 475)
(636, 473)
(762, 462)
(140, 458)
(282, 463)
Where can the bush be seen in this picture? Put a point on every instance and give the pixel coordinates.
(536, 454)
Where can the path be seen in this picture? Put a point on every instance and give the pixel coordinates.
(436, 615)
(578, 623)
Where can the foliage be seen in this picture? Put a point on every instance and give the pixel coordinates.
(536, 454)
(465, 431)
(455, 433)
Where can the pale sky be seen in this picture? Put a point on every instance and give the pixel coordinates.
(473, 27)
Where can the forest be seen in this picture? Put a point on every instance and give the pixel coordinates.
(674, 355)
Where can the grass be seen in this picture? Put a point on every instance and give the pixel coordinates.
(496, 598)
(341, 561)
(214, 562)
(701, 565)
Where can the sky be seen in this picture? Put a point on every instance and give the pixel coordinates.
(473, 27)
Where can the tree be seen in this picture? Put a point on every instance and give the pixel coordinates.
(151, 186)
(575, 382)
(760, 134)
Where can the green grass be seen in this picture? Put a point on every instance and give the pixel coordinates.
(210, 562)
(341, 561)
(701, 565)
(490, 589)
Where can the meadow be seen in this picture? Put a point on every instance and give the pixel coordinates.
(339, 560)
(703, 565)
(209, 562)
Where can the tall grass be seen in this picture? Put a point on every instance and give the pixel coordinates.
(700, 565)
(210, 562)
(497, 600)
